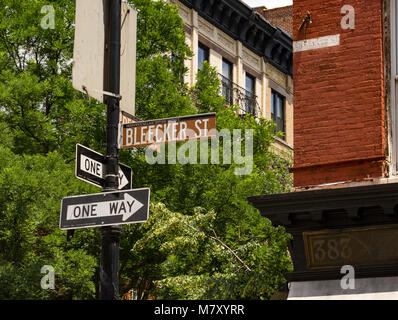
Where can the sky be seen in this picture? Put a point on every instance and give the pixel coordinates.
(268, 3)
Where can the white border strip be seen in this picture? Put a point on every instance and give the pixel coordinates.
(359, 296)
(316, 43)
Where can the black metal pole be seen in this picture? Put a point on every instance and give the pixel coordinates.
(111, 235)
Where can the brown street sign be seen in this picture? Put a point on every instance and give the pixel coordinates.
(168, 130)
(129, 118)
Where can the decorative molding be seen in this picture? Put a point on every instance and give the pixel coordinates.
(276, 76)
(231, 58)
(346, 209)
(289, 87)
(185, 14)
(360, 272)
(187, 29)
(228, 44)
(252, 72)
(250, 59)
(242, 23)
(205, 29)
(327, 199)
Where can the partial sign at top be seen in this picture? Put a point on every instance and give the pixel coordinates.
(89, 52)
(168, 130)
(91, 167)
(89, 48)
(126, 118)
(128, 58)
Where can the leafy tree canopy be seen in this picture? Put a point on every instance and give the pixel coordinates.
(203, 239)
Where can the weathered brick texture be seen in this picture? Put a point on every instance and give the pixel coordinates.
(339, 110)
(281, 17)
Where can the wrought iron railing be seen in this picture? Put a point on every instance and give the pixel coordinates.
(236, 95)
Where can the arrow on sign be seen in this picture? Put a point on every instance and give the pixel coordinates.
(90, 167)
(123, 181)
(126, 207)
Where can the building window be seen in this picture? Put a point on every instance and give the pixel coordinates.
(203, 55)
(250, 94)
(226, 81)
(278, 112)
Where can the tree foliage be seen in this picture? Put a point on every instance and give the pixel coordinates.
(30, 189)
(203, 239)
(191, 249)
(161, 52)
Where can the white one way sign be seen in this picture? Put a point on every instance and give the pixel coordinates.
(104, 209)
(90, 167)
(126, 208)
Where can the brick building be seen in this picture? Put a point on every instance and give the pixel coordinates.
(341, 118)
(281, 17)
(343, 209)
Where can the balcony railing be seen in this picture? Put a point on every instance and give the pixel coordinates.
(236, 95)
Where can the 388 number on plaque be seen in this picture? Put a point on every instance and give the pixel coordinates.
(332, 249)
(361, 246)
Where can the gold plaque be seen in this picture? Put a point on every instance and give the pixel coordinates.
(359, 246)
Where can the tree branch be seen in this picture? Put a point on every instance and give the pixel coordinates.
(225, 246)
(230, 250)
(10, 52)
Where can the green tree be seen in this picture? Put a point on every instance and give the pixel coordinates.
(41, 110)
(231, 252)
(161, 52)
(203, 239)
(206, 91)
(30, 189)
(41, 119)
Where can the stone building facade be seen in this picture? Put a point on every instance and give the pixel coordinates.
(254, 59)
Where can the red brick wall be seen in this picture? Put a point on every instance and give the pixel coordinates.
(279, 17)
(339, 111)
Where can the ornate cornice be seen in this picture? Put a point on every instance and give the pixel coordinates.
(319, 208)
(372, 207)
(242, 23)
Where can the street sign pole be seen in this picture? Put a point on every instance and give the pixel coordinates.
(110, 235)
